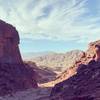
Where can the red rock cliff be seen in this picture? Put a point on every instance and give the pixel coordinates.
(14, 74)
(9, 41)
(83, 83)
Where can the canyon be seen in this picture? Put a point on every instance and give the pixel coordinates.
(74, 75)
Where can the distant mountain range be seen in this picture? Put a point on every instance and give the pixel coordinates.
(57, 61)
(30, 55)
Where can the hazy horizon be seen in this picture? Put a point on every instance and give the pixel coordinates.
(39, 46)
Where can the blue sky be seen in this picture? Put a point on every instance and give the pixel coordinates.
(53, 25)
(43, 45)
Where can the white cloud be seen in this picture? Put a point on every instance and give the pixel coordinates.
(51, 19)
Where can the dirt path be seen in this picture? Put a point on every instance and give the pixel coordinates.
(41, 93)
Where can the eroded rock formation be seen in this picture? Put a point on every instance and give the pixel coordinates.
(9, 40)
(83, 83)
(14, 74)
(59, 62)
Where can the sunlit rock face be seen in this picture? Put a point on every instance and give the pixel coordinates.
(9, 40)
(91, 47)
(14, 74)
(84, 84)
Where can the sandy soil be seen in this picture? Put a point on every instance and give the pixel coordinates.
(41, 93)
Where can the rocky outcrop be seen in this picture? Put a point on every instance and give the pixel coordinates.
(85, 58)
(90, 52)
(43, 75)
(14, 74)
(84, 83)
(9, 40)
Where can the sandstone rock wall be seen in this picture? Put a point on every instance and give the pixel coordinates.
(83, 83)
(9, 41)
(14, 74)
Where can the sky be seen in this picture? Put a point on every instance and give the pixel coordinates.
(53, 25)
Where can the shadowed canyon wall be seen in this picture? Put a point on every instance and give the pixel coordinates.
(14, 74)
